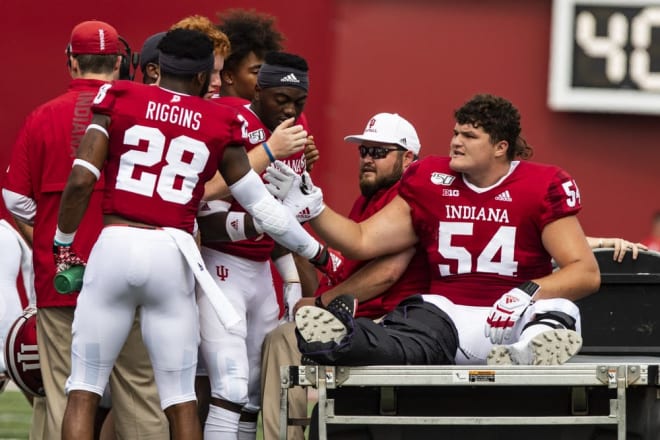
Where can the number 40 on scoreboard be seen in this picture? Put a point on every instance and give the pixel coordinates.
(605, 56)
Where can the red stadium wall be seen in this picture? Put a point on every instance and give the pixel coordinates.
(419, 58)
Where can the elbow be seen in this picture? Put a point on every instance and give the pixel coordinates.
(81, 178)
(80, 184)
(591, 279)
(595, 280)
(390, 276)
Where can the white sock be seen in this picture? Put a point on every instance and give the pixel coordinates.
(247, 430)
(221, 424)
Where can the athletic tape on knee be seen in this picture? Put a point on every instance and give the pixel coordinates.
(272, 216)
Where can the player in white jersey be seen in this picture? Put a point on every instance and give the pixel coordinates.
(157, 147)
(491, 224)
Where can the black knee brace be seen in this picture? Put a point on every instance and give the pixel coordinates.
(554, 319)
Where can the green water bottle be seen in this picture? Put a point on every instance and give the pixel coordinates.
(70, 280)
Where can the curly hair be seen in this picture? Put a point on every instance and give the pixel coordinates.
(249, 31)
(499, 118)
(221, 44)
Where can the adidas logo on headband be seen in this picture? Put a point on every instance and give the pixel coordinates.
(290, 78)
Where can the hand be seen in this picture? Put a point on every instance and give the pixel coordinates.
(302, 198)
(331, 263)
(287, 139)
(292, 294)
(280, 178)
(621, 246)
(505, 313)
(305, 301)
(311, 153)
(65, 257)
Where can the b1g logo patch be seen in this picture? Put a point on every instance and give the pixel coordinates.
(442, 179)
(257, 136)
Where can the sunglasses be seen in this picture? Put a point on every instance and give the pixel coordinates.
(377, 152)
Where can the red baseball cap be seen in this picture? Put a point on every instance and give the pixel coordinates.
(95, 38)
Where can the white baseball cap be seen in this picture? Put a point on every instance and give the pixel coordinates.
(389, 128)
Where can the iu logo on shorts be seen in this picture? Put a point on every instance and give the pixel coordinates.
(222, 272)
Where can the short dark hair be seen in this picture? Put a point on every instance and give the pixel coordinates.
(248, 31)
(286, 60)
(186, 43)
(88, 63)
(499, 118)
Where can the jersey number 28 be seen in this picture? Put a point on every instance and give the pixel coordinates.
(177, 179)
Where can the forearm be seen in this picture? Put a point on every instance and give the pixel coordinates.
(389, 231)
(215, 227)
(73, 204)
(25, 230)
(308, 278)
(573, 281)
(372, 279)
(340, 233)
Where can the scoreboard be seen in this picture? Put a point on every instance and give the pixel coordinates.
(605, 56)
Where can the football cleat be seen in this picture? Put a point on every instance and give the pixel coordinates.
(22, 356)
(329, 324)
(552, 347)
(319, 325)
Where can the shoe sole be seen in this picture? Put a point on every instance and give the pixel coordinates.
(554, 347)
(319, 325)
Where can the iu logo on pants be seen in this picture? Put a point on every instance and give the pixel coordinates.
(222, 272)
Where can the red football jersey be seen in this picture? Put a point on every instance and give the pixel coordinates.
(260, 248)
(163, 147)
(39, 168)
(414, 280)
(482, 243)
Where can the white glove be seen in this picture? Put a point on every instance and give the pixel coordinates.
(280, 178)
(507, 310)
(301, 197)
(292, 294)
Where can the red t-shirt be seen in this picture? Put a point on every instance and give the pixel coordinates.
(163, 147)
(480, 244)
(414, 280)
(40, 164)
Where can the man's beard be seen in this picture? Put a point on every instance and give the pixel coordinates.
(370, 188)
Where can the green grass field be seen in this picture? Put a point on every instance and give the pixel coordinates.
(15, 414)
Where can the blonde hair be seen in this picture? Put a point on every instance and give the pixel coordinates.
(221, 45)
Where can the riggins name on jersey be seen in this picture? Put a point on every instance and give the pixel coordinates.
(463, 212)
(173, 114)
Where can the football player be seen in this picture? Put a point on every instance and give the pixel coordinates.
(40, 163)
(157, 147)
(490, 223)
(241, 266)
